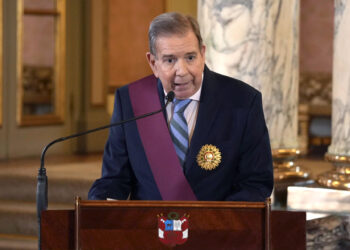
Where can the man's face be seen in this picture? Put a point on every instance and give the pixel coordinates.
(179, 63)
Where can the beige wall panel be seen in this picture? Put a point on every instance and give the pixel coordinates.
(3, 139)
(127, 39)
(23, 141)
(98, 49)
(1, 56)
(188, 7)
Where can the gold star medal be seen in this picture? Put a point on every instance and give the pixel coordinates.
(209, 157)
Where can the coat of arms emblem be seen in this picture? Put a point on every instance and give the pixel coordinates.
(174, 229)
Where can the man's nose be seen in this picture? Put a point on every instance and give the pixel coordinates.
(181, 68)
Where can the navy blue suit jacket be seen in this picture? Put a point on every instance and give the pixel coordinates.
(230, 116)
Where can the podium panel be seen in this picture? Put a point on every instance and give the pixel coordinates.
(135, 225)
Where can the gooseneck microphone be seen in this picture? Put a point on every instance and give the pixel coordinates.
(42, 187)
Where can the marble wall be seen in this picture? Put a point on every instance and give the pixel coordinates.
(257, 41)
(341, 81)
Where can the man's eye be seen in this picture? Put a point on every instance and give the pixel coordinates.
(169, 60)
(191, 58)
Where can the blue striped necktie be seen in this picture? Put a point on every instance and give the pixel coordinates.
(179, 129)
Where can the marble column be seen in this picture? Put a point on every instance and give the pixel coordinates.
(341, 81)
(339, 150)
(257, 41)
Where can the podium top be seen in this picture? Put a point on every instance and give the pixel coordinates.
(172, 204)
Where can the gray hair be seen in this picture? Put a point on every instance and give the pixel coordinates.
(172, 23)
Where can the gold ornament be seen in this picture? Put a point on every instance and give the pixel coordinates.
(209, 157)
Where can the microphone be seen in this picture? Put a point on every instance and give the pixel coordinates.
(42, 190)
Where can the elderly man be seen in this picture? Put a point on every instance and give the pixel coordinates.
(211, 142)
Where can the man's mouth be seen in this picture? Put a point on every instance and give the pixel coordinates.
(180, 83)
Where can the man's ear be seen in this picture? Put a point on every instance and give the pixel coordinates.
(203, 50)
(152, 63)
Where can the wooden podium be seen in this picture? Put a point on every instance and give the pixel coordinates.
(134, 225)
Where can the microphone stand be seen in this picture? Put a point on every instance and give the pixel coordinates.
(42, 185)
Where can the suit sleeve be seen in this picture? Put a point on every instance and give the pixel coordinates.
(254, 181)
(117, 175)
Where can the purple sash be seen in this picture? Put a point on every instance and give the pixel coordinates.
(157, 143)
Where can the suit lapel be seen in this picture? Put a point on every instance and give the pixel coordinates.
(208, 108)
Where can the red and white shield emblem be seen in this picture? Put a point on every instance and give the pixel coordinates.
(173, 230)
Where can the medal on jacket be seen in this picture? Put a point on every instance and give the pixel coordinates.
(209, 157)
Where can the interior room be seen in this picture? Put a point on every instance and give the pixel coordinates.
(62, 61)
